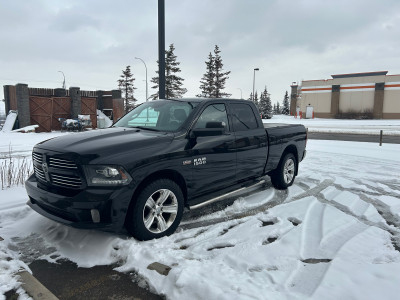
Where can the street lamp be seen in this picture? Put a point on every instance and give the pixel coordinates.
(241, 94)
(254, 79)
(64, 79)
(147, 96)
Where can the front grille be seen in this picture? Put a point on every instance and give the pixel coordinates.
(66, 180)
(37, 157)
(39, 173)
(59, 172)
(61, 163)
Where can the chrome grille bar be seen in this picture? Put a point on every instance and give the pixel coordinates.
(61, 163)
(39, 173)
(37, 157)
(68, 181)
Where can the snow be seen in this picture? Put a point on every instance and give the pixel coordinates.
(371, 127)
(331, 235)
(10, 120)
(30, 128)
(108, 122)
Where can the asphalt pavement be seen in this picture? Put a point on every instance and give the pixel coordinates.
(390, 139)
(66, 281)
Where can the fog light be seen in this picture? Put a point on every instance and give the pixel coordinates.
(95, 215)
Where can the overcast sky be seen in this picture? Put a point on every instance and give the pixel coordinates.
(92, 41)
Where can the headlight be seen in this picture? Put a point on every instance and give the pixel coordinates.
(100, 175)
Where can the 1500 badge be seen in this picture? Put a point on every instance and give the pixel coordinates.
(200, 161)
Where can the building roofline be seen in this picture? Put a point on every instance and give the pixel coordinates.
(376, 73)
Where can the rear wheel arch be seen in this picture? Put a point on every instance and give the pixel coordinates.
(291, 149)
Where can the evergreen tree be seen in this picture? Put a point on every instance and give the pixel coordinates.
(220, 76)
(125, 84)
(251, 97)
(265, 106)
(285, 108)
(255, 100)
(213, 81)
(274, 109)
(278, 108)
(207, 82)
(173, 83)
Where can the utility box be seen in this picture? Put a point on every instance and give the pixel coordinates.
(309, 112)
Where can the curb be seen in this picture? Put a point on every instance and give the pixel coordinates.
(34, 288)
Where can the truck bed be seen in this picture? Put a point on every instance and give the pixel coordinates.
(280, 136)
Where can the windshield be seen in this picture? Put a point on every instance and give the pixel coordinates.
(162, 115)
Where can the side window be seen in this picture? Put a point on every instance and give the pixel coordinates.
(213, 116)
(243, 117)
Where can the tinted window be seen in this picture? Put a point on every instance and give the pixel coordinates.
(212, 115)
(243, 117)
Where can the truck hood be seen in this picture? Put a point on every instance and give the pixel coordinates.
(106, 142)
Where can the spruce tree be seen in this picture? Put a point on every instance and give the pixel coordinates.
(173, 83)
(213, 81)
(278, 108)
(255, 100)
(220, 76)
(265, 106)
(207, 82)
(285, 108)
(125, 84)
(251, 97)
(274, 109)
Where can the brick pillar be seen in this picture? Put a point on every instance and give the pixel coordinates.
(100, 101)
(75, 94)
(6, 89)
(293, 99)
(116, 94)
(24, 114)
(60, 92)
(378, 100)
(335, 98)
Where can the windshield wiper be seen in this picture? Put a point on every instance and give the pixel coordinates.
(146, 128)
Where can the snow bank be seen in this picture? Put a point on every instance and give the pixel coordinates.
(108, 122)
(373, 127)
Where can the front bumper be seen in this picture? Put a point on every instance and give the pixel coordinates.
(75, 211)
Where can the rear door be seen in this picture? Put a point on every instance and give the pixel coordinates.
(213, 157)
(251, 141)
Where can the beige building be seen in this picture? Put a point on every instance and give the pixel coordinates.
(371, 93)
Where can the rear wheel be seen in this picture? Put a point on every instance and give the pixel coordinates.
(285, 173)
(157, 211)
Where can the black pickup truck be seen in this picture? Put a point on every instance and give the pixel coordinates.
(159, 158)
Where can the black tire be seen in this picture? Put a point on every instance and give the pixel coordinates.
(283, 176)
(160, 222)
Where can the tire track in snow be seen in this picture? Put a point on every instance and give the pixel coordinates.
(317, 247)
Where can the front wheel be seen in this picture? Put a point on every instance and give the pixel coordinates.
(283, 176)
(157, 211)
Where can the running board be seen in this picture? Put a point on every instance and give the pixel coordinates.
(219, 198)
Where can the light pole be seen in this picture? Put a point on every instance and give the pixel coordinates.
(254, 79)
(64, 79)
(241, 94)
(147, 96)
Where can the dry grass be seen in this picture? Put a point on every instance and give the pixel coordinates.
(14, 171)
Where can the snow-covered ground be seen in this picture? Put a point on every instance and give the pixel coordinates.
(389, 127)
(335, 234)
